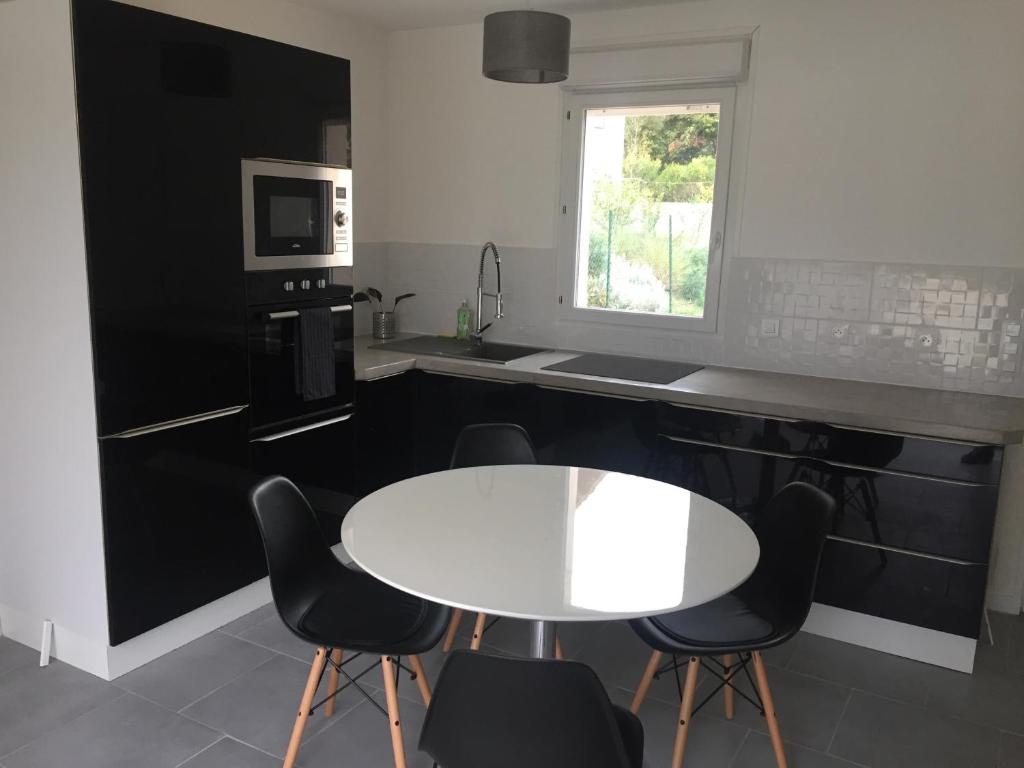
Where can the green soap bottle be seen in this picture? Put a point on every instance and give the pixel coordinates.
(463, 321)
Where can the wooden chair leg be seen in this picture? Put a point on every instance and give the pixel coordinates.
(332, 682)
(558, 649)
(304, 706)
(478, 631)
(394, 721)
(730, 696)
(685, 710)
(645, 681)
(453, 630)
(421, 678)
(769, 710)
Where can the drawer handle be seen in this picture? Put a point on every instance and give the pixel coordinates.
(300, 430)
(174, 423)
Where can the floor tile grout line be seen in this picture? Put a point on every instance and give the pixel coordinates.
(253, 746)
(307, 662)
(66, 724)
(204, 749)
(739, 750)
(977, 724)
(229, 682)
(202, 698)
(839, 722)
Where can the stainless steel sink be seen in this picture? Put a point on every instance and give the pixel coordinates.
(442, 346)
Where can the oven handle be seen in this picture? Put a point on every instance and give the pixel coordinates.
(295, 313)
(299, 430)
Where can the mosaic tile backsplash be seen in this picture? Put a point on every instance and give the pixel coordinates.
(932, 326)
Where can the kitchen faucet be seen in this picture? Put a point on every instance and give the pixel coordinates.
(478, 335)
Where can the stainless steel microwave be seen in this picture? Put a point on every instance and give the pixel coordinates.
(296, 215)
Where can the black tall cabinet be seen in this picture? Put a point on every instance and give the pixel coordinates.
(167, 108)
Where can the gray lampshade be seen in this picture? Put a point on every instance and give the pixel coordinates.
(526, 47)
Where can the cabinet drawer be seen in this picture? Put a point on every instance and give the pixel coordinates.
(178, 532)
(836, 444)
(949, 519)
(318, 458)
(917, 590)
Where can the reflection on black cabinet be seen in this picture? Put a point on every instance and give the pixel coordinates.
(294, 104)
(177, 528)
(839, 445)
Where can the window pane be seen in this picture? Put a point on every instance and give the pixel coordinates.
(646, 203)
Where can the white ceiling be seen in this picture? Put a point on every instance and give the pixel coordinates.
(413, 14)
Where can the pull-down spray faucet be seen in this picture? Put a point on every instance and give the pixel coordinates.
(478, 335)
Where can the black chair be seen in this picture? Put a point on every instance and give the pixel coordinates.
(502, 712)
(326, 604)
(484, 445)
(766, 610)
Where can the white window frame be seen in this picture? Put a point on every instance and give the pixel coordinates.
(576, 105)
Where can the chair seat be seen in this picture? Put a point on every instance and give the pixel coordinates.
(364, 614)
(632, 731)
(723, 625)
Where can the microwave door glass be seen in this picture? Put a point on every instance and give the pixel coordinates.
(292, 216)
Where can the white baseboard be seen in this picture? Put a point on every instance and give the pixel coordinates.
(1003, 602)
(140, 650)
(67, 646)
(927, 645)
(109, 662)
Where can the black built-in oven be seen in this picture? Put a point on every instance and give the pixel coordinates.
(309, 441)
(275, 302)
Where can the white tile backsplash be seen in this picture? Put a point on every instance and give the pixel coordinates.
(933, 326)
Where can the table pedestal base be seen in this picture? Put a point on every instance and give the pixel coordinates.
(542, 639)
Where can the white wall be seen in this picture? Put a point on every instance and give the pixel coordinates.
(51, 546)
(880, 130)
(868, 132)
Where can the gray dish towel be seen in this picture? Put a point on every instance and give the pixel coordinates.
(314, 354)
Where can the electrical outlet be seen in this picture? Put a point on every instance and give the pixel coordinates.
(839, 331)
(769, 327)
(926, 339)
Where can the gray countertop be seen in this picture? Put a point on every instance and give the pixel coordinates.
(958, 416)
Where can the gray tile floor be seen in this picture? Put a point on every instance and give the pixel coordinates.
(228, 700)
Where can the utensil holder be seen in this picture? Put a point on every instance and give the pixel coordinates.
(384, 325)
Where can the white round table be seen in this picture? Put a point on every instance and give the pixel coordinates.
(550, 544)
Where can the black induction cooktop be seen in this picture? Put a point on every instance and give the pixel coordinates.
(629, 368)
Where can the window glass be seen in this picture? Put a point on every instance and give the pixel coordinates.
(646, 206)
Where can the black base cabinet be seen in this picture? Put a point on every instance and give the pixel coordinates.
(911, 535)
(922, 591)
(177, 527)
(385, 431)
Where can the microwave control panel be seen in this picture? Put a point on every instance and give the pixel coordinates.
(343, 219)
